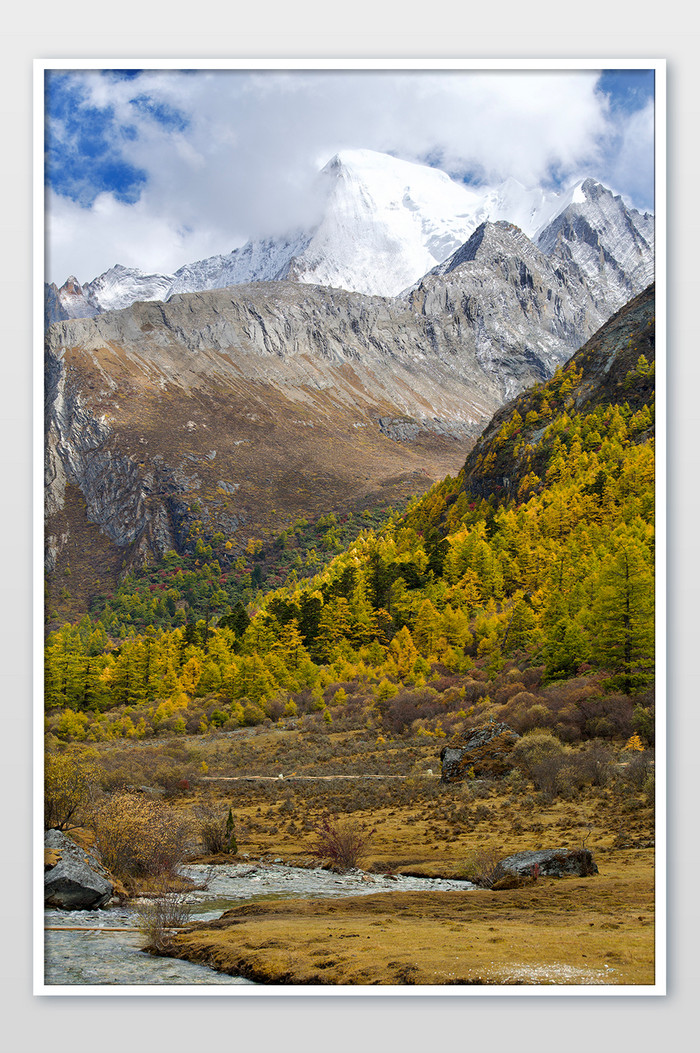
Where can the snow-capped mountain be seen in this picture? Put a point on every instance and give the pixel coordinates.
(612, 246)
(386, 222)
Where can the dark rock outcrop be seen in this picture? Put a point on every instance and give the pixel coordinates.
(551, 862)
(484, 750)
(76, 881)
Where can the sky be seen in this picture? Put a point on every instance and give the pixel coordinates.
(158, 168)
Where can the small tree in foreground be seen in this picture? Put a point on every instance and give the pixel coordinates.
(342, 843)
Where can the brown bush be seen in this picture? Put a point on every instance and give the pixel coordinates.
(69, 784)
(139, 837)
(540, 756)
(637, 770)
(505, 692)
(161, 916)
(596, 762)
(342, 843)
(482, 867)
(216, 830)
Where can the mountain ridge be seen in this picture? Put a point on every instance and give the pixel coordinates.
(384, 224)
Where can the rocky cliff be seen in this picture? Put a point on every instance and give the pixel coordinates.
(235, 410)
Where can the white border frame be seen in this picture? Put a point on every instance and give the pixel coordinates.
(41, 66)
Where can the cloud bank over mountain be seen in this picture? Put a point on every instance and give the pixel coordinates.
(157, 168)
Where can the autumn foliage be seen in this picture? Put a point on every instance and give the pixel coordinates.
(539, 556)
(138, 837)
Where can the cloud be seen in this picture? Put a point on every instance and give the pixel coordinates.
(630, 168)
(209, 158)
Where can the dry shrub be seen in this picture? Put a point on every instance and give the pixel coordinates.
(525, 711)
(591, 715)
(400, 712)
(541, 756)
(139, 837)
(482, 867)
(596, 762)
(505, 692)
(161, 916)
(342, 843)
(636, 772)
(68, 787)
(533, 747)
(649, 789)
(568, 778)
(216, 830)
(532, 677)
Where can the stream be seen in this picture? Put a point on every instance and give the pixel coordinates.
(82, 948)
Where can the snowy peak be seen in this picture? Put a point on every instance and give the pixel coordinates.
(485, 243)
(74, 299)
(612, 245)
(121, 286)
(385, 222)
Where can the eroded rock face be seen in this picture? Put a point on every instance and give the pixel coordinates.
(284, 392)
(76, 881)
(484, 751)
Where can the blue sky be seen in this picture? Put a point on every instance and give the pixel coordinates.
(156, 168)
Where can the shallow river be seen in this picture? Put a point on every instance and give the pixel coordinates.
(102, 957)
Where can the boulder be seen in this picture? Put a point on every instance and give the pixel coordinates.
(73, 879)
(551, 862)
(483, 751)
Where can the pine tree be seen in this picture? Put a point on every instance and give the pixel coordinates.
(623, 615)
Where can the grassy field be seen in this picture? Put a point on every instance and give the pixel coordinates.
(592, 930)
(597, 930)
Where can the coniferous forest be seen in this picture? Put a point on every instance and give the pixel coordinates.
(298, 705)
(521, 589)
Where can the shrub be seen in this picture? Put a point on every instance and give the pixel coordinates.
(139, 837)
(643, 723)
(636, 772)
(649, 789)
(596, 762)
(216, 830)
(68, 786)
(482, 867)
(160, 917)
(342, 843)
(535, 749)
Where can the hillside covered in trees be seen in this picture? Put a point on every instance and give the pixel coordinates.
(523, 589)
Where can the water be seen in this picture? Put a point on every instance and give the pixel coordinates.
(102, 957)
(231, 883)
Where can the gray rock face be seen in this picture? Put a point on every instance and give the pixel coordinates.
(77, 881)
(552, 862)
(611, 246)
(436, 363)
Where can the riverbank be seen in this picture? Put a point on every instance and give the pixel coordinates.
(573, 931)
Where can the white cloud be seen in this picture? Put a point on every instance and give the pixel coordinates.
(631, 169)
(245, 164)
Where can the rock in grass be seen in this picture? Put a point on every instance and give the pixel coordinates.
(550, 862)
(76, 881)
(481, 751)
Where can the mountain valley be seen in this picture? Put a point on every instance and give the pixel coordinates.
(237, 410)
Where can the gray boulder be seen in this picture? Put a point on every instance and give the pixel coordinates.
(76, 881)
(552, 862)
